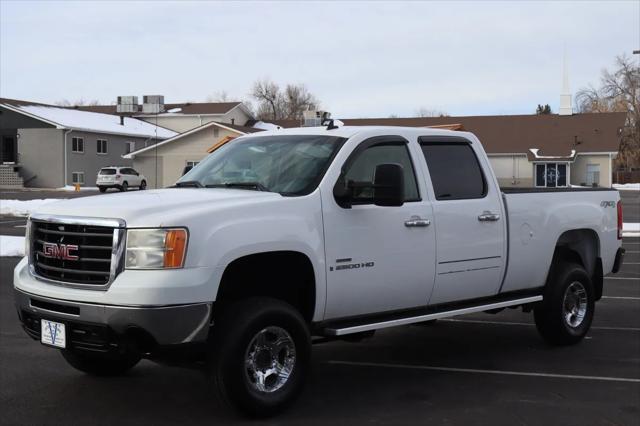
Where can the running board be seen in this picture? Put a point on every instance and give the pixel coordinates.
(335, 331)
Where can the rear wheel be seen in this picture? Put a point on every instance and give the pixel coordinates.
(124, 187)
(143, 185)
(102, 189)
(260, 356)
(565, 315)
(99, 364)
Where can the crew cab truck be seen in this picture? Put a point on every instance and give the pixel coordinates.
(285, 237)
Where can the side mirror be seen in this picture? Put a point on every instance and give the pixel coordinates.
(388, 185)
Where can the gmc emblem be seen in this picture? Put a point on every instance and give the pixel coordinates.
(59, 251)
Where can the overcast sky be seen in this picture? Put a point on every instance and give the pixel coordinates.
(361, 59)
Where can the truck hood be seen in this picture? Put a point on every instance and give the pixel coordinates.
(156, 207)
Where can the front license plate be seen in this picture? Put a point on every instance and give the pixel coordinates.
(53, 333)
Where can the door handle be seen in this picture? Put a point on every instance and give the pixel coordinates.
(488, 217)
(416, 221)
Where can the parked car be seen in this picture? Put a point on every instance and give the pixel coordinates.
(121, 178)
(289, 237)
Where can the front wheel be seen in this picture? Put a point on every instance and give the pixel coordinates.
(565, 315)
(260, 356)
(99, 364)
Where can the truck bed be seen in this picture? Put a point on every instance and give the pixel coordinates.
(538, 217)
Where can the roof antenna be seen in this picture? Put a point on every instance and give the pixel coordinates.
(328, 121)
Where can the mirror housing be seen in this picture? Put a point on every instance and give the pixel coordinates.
(388, 185)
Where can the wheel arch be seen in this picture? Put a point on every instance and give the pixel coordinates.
(285, 275)
(581, 246)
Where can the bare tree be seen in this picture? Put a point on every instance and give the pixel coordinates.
(220, 96)
(269, 98)
(430, 112)
(297, 100)
(619, 91)
(275, 103)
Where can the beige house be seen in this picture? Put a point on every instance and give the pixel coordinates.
(164, 163)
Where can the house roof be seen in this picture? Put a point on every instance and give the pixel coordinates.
(240, 130)
(65, 118)
(187, 108)
(552, 134)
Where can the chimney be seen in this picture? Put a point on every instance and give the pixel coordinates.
(565, 94)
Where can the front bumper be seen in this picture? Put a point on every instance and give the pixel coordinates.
(104, 327)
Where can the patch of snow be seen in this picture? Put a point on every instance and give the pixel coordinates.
(630, 229)
(71, 188)
(172, 110)
(23, 207)
(627, 186)
(11, 246)
(97, 122)
(266, 126)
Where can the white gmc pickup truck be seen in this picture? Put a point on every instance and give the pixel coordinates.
(282, 238)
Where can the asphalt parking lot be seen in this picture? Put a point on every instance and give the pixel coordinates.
(477, 369)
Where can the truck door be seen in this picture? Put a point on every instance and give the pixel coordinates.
(468, 221)
(378, 258)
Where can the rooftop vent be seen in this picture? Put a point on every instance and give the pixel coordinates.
(315, 118)
(152, 104)
(127, 104)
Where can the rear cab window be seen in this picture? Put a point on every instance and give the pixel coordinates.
(454, 168)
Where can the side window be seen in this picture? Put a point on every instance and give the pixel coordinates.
(362, 170)
(455, 171)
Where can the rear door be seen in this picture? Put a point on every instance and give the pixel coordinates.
(468, 220)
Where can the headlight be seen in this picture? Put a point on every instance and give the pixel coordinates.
(156, 248)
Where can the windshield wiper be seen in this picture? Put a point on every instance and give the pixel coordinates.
(188, 184)
(241, 185)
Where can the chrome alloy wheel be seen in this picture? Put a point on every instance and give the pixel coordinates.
(574, 305)
(269, 359)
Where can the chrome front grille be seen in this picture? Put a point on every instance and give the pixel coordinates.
(76, 252)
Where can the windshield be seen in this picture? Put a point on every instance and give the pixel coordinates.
(107, 172)
(288, 164)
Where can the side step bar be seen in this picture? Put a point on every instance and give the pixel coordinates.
(333, 331)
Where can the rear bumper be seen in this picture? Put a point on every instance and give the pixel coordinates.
(105, 327)
(618, 261)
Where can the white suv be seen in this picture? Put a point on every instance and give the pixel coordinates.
(121, 178)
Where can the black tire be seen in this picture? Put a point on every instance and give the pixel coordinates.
(569, 288)
(232, 339)
(102, 189)
(143, 185)
(124, 187)
(100, 364)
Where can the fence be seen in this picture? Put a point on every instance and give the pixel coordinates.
(626, 177)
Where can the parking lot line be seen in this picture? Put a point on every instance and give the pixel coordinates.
(622, 278)
(481, 371)
(528, 324)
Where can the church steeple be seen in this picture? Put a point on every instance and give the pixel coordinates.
(565, 94)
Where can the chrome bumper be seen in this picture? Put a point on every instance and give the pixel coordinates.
(167, 325)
